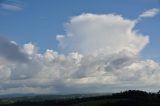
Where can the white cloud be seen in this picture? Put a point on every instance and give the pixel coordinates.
(102, 56)
(30, 49)
(150, 13)
(52, 72)
(11, 7)
(88, 33)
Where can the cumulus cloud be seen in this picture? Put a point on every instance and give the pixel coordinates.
(150, 13)
(101, 55)
(52, 72)
(88, 33)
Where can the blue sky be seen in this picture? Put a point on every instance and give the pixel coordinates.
(39, 22)
(79, 46)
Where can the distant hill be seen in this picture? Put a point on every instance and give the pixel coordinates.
(126, 98)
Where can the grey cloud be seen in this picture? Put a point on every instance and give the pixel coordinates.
(26, 71)
(11, 51)
(116, 61)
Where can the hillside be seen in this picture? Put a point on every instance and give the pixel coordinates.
(126, 98)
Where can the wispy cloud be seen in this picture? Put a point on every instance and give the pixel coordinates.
(150, 13)
(11, 6)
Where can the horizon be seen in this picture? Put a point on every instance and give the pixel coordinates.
(66, 47)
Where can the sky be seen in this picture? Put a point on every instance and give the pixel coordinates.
(79, 46)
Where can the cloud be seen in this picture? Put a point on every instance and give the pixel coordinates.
(55, 73)
(150, 13)
(101, 55)
(11, 6)
(88, 33)
(11, 51)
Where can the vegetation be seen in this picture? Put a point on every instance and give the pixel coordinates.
(127, 98)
